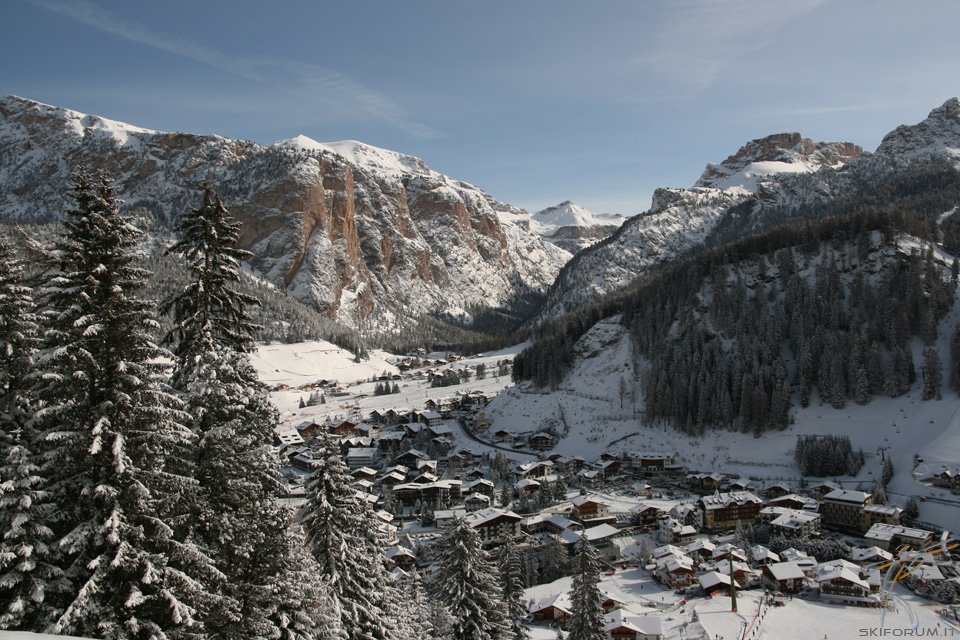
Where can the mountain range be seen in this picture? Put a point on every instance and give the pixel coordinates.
(371, 237)
(767, 181)
(376, 239)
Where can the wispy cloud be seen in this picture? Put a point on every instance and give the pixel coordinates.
(309, 82)
(704, 39)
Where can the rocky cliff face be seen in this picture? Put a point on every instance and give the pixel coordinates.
(363, 234)
(779, 153)
(939, 134)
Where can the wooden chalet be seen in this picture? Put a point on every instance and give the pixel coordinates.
(587, 508)
(787, 577)
(345, 428)
(622, 625)
(541, 441)
(948, 479)
(554, 609)
(495, 526)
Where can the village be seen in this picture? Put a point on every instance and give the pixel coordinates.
(676, 536)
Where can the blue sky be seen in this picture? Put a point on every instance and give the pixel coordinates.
(535, 101)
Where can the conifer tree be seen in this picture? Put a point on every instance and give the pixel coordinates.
(932, 375)
(511, 586)
(29, 576)
(555, 560)
(233, 513)
(879, 492)
(646, 552)
(108, 427)
(210, 307)
(423, 618)
(342, 536)
(465, 583)
(586, 611)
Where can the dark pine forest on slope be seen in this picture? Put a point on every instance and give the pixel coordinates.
(737, 334)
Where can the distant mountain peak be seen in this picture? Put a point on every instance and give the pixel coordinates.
(382, 161)
(773, 154)
(569, 213)
(938, 134)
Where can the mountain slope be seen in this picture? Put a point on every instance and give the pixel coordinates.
(369, 236)
(768, 181)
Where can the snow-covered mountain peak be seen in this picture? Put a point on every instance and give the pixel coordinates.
(381, 161)
(775, 154)
(939, 134)
(79, 124)
(570, 214)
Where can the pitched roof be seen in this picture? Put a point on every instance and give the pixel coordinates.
(786, 571)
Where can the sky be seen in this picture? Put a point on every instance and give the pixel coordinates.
(535, 101)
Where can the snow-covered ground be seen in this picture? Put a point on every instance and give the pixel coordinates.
(798, 619)
(598, 410)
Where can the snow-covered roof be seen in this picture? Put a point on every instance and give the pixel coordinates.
(559, 600)
(845, 574)
(644, 625)
(483, 516)
(786, 571)
(362, 452)
(666, 550)
(724, 500)
(702, 544)
(795, 519)
(579, 501)
(674, 562)
(886, 532)
(398, 550)
(847, 495)
(713, 579)
(870, 553)
(891, 510)
(600, 532)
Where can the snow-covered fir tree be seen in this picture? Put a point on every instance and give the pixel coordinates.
(232, 513)
(465, 582)
(932, 375)
(342, 535)
(879, 492)
(586, 610)
(555, 562)
(210, 307)
(646, 552)
(511, 587)
(29, 578)
(108, 427)
(422, 618)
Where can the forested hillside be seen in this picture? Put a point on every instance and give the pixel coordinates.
(735, 335)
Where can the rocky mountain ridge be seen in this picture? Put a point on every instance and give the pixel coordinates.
(368, 236)
(761, 183)
(774, 154)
